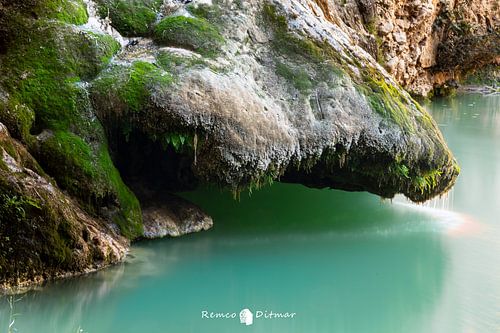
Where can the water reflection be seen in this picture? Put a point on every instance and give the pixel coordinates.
(329, 256)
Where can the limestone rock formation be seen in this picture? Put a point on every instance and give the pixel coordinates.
(234, 93)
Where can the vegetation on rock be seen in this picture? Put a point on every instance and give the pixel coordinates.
(130, 18)
(192, 33)
(41, 74)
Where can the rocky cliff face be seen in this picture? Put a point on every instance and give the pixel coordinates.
(424, 44)
(233, 93)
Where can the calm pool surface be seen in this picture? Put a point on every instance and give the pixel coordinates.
(343, 262)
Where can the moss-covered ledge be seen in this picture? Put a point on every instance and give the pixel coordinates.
(196, 34)
(130, 18)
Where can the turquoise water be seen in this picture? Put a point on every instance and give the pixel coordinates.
(342, 262)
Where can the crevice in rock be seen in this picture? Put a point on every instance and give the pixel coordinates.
(153, 172)
(148, 166)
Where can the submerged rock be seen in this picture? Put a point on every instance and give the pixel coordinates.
(172, 216)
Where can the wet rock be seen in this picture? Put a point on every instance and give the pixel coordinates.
(170, 215)
(44, 232)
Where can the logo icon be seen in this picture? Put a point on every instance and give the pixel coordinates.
(246, 317)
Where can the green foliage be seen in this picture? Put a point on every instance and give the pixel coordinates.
(15, 207)
(421, 182)
(177, 141)
(130, 18)
(195, 34)
(427, 182)
(401, 170)
(488, 75)
(69, 11)
(25, 218)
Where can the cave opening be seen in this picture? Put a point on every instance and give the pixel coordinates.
(150, 168)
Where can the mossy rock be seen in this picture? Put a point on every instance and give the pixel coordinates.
(126, 89)
(213, 13)
(42, 74)
(43, 232)
(191, 33)
(130, 18)
(17, 117)
(176, 64)
(385, 98)
(69, 11)
(42, 69)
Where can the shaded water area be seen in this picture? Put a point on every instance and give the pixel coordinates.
(343, 262)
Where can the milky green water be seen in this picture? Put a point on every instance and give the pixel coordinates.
(343, 262)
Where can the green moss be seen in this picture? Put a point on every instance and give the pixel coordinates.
(303, 62)
(130, 217)
(3, 166)
(299, 78)
(42, 73)
(129, 87)
(17, 117)
(89, 174)
(69, 11)
(192, 33)
(9, 149)
(23, 217)
(173, 63)
(427, 182)
(286, 43)
(130, 18)
(326, 63)
(212, 13)
(387, 101)
(69, 158)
